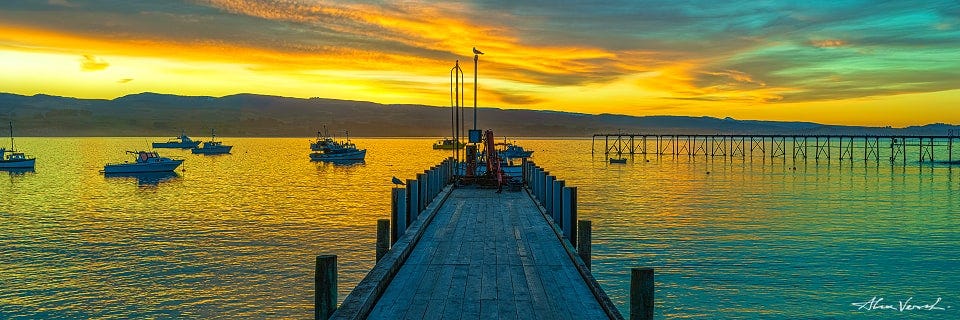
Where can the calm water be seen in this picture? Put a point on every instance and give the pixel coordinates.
(236, 235)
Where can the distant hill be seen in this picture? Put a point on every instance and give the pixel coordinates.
(151, 114)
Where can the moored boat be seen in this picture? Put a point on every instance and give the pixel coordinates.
(180, 142)
(333, 150)
(12, 159)
(618, 160)
(512, 151)
(448, 144)
(212, 146)
(146, 161)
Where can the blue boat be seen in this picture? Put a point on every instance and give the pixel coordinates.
(146, 161)
(328, 149)
(15, 160)
(212, 146)
(181, 142)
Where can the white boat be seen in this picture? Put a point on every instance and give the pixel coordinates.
(212, 146)
(181, 142)
(328, 149)
(146, 161)
(12, 159)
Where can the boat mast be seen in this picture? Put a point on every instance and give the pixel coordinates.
(11, 137)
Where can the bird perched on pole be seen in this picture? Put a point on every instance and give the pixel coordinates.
(397, 181)
(475, 51)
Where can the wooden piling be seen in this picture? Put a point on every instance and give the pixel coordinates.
(325, 296)
(641, 294)
(547, 200)
(399, 213)
(383, 237)
(413, 200)
(584, 241)
(421, 192)
(568, 219)
(557, 200)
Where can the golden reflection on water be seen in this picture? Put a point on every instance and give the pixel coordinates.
(236, 235)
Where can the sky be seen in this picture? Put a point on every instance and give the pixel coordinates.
(874, 62)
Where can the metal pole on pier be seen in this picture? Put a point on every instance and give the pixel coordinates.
(476, 62)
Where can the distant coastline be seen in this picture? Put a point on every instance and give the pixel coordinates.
(249, 115)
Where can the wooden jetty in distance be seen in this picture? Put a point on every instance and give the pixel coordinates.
(892, 148)
(452, 252)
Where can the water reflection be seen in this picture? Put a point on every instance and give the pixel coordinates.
(149, 179)
(18, 171)
(341, 163)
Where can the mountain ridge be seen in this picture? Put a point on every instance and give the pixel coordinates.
(244, 114)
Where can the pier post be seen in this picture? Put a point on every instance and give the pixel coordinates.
(547, 184)
(413, 199)
(325, 286)
(569, 217)
(585, 241)
(399, 214)
(557, 200)
(547, 200)
(421, 192)
(641, 294)
(383, 237)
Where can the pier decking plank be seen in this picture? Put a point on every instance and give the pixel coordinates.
(488, 256)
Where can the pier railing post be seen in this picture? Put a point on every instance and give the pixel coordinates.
(398, 213)
(584, 241)
(557, 200)
(547, 200)
(325, 294)
(421, 192)
(383, 237)
(545, 187)
(569, 217)
(413, 199)
(641, 294)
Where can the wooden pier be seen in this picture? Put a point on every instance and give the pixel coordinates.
(892, 148)
(472, 253)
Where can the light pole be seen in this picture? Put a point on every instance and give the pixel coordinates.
(476, 60)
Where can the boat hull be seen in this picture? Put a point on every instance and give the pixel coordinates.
(345, 156)
(215, 150)
(166, 166)
(17, 164)
(176, 145)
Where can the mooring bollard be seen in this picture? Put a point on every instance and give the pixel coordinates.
(641, 294)
(584, 241)
(383, 237)
(325, 294)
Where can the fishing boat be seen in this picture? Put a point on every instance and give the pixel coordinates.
(212, 146)
(448, 144)
(618, 160)
(12, 159)
(146, 161)
(181, 142)
(512, 151)
(323, 140)
(333, 150)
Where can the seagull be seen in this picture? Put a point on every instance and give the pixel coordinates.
(397, 181)
(475, 51)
